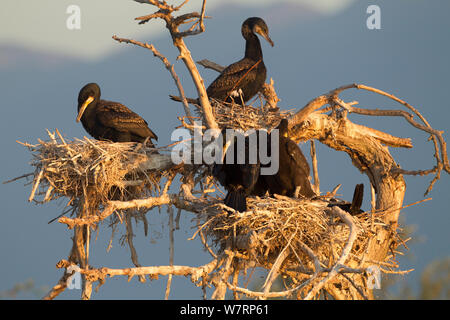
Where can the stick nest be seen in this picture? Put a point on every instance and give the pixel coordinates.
(93, 171)
(303, 226)
(236, 116)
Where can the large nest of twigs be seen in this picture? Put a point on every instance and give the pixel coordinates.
(93, 171)
(306, 227)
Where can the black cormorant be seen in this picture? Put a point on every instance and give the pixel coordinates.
(247, 76)
(238, 179)
(293, 168)
(354, 208)
(108, 120)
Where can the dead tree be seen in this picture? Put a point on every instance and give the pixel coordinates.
(319, 251)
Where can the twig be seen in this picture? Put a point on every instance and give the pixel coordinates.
(130, 235)
(59, 287)
(396, 271)
(36, 184)
(172, 25)
(171, 250)
(211, 65)
(221, 287)
(315, 169)
(21, 177)
(205, 244)
(347, 218)
(360, 291)
(274, 271)
(170, 67)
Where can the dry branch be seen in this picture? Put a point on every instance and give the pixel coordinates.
(314, 167)
(101, 274)
(346, 217)
(170, 67)
(173, 23)
(332, 99)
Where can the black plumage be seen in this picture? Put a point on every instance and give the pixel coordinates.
(293, 171)
(108, 120)
(354, 208)
(247, 76)
(238, 179)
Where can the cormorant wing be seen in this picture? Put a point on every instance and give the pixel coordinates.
(297, 155)
(233, 75)
(119, 117)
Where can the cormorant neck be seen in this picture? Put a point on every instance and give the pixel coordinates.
(253, 47)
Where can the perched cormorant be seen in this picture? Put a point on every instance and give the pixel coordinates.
(293, 168)
(238, 179)
(108, 120)
(354, 207)
(246, 76)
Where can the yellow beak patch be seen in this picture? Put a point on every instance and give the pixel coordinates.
(83, 107)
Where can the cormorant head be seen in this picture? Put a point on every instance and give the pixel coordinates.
(256, 25)
(283, 128)
(88, 95)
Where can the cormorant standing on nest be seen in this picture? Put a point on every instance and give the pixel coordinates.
(108, 120)
(293, 168)
(246, 76)
(238, 179)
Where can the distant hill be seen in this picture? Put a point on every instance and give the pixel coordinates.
(13, 56)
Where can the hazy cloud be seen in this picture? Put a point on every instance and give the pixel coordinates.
(42, 25)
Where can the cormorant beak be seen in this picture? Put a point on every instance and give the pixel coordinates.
(266, 36)
(263, 34)
(83, 107)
